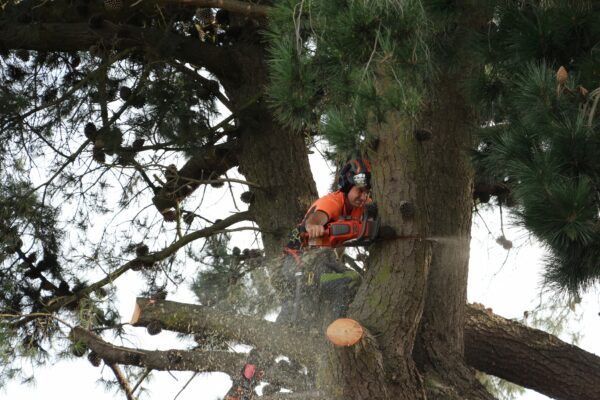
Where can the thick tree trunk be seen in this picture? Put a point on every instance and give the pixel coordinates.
(390, 298)
(283, 173)
(439, 350)
(272, 156)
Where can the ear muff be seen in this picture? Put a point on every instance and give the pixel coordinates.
(343, 181)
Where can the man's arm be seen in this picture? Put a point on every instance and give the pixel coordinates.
(315, 224)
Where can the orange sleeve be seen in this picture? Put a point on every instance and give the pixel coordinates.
(331, 204)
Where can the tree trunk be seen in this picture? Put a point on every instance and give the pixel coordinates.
(439, 350)
(390, 298)
(272, 156)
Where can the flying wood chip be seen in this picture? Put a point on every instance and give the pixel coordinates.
(344, 332)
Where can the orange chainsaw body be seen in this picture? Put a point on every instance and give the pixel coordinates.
(345, 232)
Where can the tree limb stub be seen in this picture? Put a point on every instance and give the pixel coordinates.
(186, 360)
(530, 357)
(268, 337)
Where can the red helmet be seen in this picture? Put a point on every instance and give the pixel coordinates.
(356, 172)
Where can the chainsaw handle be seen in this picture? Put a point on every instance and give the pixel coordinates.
(304, 236)
(304, 233)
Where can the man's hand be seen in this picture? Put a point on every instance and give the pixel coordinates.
(315, 224)
(314, 231)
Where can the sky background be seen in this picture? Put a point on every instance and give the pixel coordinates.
(506, 281)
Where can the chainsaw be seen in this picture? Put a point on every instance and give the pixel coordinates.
(347, 232)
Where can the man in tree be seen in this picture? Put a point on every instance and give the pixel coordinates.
(311, 282)
(310, 277)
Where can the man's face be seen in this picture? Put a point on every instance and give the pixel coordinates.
(357, 196)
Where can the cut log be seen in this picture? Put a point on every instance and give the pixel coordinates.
(344, 332)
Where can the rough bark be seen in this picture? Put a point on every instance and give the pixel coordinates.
(272, 156)
(390, 298)
(268, 337)
(439, 349)
(448, 116)
(530, 357)
(283, 173)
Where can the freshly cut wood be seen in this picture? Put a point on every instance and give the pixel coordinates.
(136, 314)
(344, 332)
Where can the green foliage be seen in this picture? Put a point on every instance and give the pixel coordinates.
(324, 57)
(541, 134)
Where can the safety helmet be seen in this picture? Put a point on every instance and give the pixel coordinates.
(356, 172)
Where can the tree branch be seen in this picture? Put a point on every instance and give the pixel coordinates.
(185, 360)
(61, 302)
(122, 379)
(80, 37)
(268, 337)
(529, 357)
(241, 7)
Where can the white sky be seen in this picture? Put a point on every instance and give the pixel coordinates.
(506, 282)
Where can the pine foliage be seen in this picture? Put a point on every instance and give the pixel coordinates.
(233, 280)
(541, 137)
(324, 58)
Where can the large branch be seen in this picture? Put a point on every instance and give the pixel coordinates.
(164, 360)
(268, 337)
(80, 37)
(530, 357)
(186, 360)
(241, 7)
